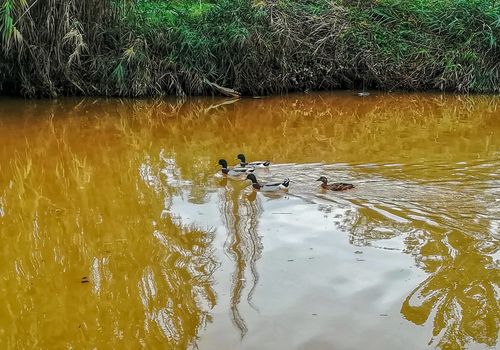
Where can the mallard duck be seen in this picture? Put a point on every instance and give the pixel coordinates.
(234, 171)
(258, 164)
(337, 186)
(269, 187)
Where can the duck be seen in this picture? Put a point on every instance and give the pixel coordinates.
(234, 171)
(268, 187)
(337, 186)
(257, 164)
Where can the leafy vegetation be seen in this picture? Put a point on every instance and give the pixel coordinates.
(154, 47)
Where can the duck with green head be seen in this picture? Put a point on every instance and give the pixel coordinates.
(234, 171)
(268, 187)
(256, 164)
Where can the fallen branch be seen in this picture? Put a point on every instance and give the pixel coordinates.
(223, 90)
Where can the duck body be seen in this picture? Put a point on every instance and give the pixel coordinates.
(237, 171)
(258, 164)
(234, 171)
(268, 187)
(337, 186)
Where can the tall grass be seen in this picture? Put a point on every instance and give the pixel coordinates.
(154, 47)
(52, 47)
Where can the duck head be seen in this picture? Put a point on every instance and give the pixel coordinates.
(252, 178)
(223, 163)
(241, 157)
(323, 180)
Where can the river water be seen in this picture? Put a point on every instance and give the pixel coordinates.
(117, 229)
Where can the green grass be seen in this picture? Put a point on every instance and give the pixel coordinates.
(160, 14)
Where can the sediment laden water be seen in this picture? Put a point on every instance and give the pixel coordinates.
(117, 231)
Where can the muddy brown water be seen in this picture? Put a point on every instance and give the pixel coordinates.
(117, 230)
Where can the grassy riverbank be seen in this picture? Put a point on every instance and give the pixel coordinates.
(142, 48)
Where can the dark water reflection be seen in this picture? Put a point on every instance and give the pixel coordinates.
(240, 212)
(124, 194)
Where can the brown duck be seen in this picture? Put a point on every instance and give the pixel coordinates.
(337, 186)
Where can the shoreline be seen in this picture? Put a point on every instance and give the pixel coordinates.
(152, 48)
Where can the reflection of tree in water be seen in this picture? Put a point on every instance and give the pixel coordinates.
(94, 210)
(461, 289)
(178, 305)
(240, 213)
(176, 291)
